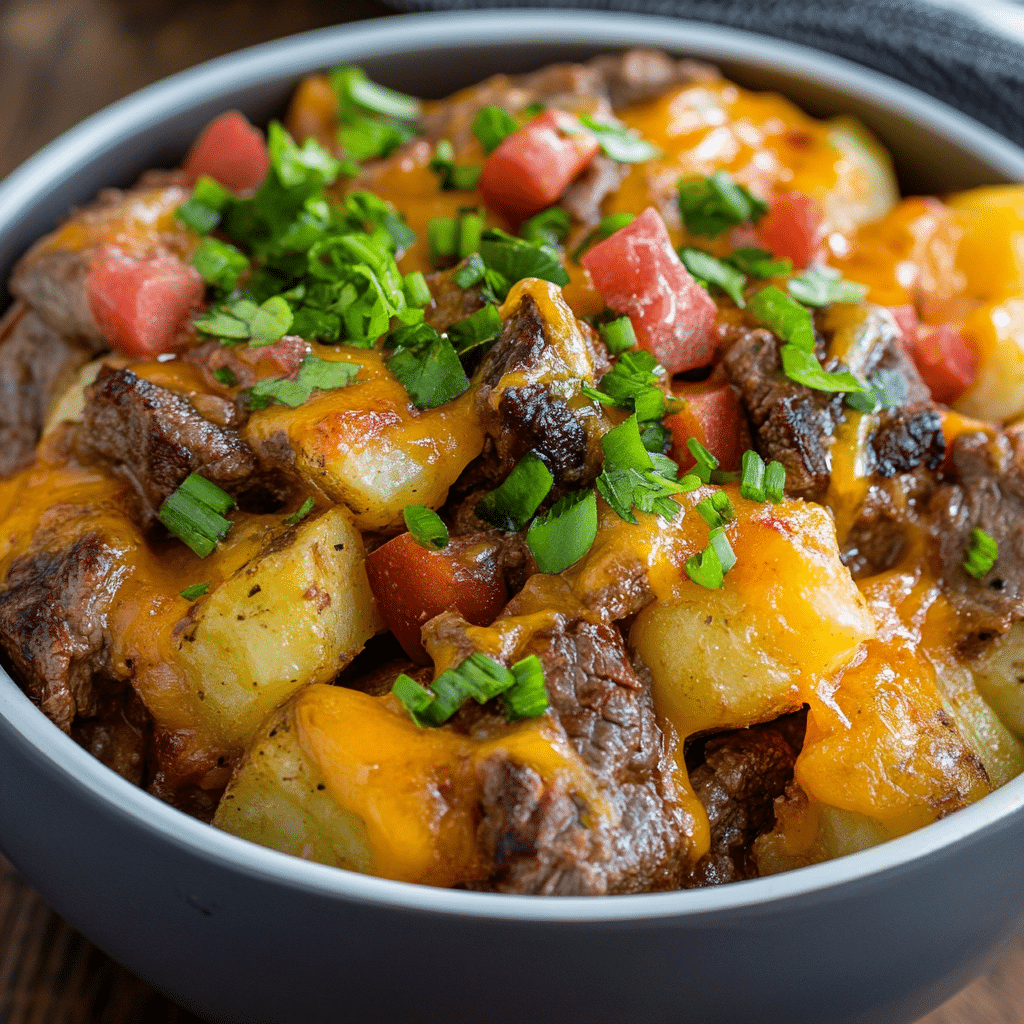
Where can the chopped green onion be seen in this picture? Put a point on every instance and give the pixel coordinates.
(353, 86)
(822, 286)
(193, 513)
(515, 259)
(484, 678)
(243, 320)
(760, 262)
(314, 374)
(634, 477)
(415, 698)
(527, 697)
(982, 553)
(479, 328)
(226, 376)
(511, 505)
(219, 263)
(564, 535)
(802, 367)
(195, 591)
(304, 510)
(417, 291)
(622, 446)
(426, 527)
(431, 373)
(888, 390)
(618, 335)
(706, 569)
(752, 478)
(784, 317)
(716, 510)
(775, 482)
(719, 543)
(443, 239)
(605, 229)
(549, 227)
(712, 205)
(621, 144)
(632, 384)
(492, 126)
(453, 178)
(203, 209)
(471, 227)
(470, 272)
(710, 271)
(706, 462)
(481, 678)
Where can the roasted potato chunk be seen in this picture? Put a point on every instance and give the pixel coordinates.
(297, 612)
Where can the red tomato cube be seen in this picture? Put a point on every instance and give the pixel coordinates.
(947, 364)
(533, 166)
(714, 416)
(143, 306)
(412, 585)
(638, 273)
(793, 227)
(231, 151)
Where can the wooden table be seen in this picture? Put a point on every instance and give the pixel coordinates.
(59, 62)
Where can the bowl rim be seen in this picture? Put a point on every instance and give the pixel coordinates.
(29, 184)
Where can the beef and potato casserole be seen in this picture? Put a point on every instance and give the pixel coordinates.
(599, 481)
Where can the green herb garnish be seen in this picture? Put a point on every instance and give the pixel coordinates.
(426, 527)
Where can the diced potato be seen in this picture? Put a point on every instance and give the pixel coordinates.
(996, 332)
(999, 676)
(991, 251)
(365, 446)
(404, 799)
(70, 406)
(880, 743)
(297, 612)
(278, 798)
(867, 188)
(787, 617)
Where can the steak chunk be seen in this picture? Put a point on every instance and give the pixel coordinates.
(53, 624)
(525, 382)
(989, 496)
(52, 276)
(36, 366)
(545, 838)
(154, 439)
(791, 423)
(742, 774)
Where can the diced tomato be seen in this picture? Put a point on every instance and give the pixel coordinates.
(638, 273)
(714, 416)
(142, 306)
(947, 364)
(231, 151)
(532, 167)
(412, 585)
(793, 227)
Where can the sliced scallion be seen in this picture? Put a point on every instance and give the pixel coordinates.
(426, 527)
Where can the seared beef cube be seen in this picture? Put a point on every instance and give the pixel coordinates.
(742, 774)
(542, 838)
(791, 423)
(53, 623)
(989, 496)
(154, 439)
(36, 365)
(525, 379)
(52, 277)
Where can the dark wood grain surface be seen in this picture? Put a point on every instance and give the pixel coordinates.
(59, 62)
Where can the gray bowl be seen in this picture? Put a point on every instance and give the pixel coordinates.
(240, 933)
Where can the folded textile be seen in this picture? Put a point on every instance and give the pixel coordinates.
(941, 51)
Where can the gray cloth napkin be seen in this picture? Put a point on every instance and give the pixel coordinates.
(943, 52)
